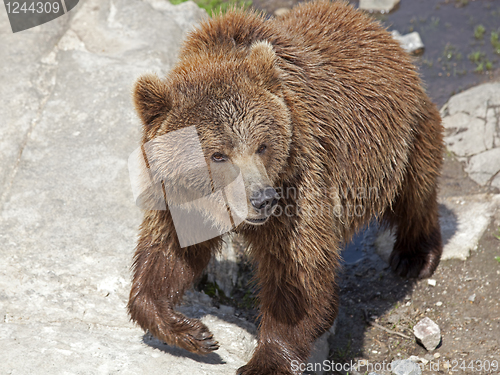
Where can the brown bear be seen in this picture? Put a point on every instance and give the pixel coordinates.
(310, 107)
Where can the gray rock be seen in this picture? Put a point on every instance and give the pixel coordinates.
(223, 267)
(405, 367)
(472, 120)
(463, 221)
(483, 166)
(410, 42)
(427, 333)
(382, 6)
(417, 359)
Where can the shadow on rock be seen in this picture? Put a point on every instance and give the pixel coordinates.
(212, 358)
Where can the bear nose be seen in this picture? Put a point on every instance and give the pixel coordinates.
(264, 199)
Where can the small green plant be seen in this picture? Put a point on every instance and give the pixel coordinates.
(497, 235)
(497, 259)
(476, 57)
(479, 58)
(495, 42)
(214, 6)
(450, 52)
(249, 300)
(479, 32)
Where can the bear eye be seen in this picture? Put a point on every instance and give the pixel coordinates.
(261, 149)
(218, 157)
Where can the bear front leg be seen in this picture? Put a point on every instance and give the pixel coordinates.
(162, 273)
(298, 303)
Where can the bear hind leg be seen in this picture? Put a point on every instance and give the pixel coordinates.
(418, 246)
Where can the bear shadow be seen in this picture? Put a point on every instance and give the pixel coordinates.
(212, 358)
(369, 289)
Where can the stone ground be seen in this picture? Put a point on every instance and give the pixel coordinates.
(68, 222)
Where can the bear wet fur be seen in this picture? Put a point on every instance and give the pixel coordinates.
(322, 102)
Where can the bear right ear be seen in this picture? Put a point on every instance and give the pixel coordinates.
(151, 98)
(262, 64)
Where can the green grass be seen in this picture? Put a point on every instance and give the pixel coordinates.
(482, 63)
(497, 235)
(479, 32)
(450, 52)
(495, 42)
(497, 259)
(214, 6)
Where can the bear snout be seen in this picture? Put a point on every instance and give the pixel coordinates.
(265, 199)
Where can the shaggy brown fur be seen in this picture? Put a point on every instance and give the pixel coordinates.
(347, 135)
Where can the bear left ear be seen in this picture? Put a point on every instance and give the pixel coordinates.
(262, 65)
(151, 99)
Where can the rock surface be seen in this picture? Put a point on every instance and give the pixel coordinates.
(68, 222)
(427, 333)
(472, 122)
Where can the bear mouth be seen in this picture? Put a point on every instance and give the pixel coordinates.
(257, 221)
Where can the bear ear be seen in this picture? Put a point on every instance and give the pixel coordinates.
(151, 98)
(262, 65)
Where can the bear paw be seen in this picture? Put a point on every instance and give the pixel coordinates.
(196, 339)
(413, 266)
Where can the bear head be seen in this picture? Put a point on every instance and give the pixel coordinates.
(219, 117)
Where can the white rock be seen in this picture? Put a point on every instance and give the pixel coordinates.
(474, 101)
(483, 166)
(466, 134)
(427, 333)
(223, 267)
(431, 282)
(463, 221)
(405, 367)
(416, 359)
(472, 133)
(412, 43)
